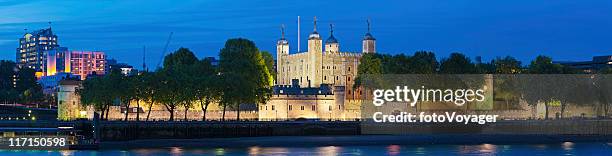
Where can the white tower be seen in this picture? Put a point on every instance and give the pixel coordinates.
(315, 55)
(282, 51)
(331, 44)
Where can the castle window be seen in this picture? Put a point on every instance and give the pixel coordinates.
(324, 77)
(272, 107)
(349, 79)
(339, 107)
(330, 108)
(322, 67)
(290, 108)
(313, 107)
(337, 78)
(302, 107)
(266, 107)
(349, 68)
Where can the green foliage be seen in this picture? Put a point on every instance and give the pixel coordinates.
(544, 65)
(507, 65)
(423, 62)
(244, 74)
(457, 63)
(269, 61)
(176, 79)
(370, 64)
(24, 90)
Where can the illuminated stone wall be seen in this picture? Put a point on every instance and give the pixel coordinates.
(68, 103)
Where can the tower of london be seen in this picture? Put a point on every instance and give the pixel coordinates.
(322, 63)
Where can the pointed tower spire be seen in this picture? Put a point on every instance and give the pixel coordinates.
(282, 31)
(49, 24)
(368, 25)
(315, 23)
(331, 29)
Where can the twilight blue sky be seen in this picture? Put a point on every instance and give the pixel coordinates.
(563, 29)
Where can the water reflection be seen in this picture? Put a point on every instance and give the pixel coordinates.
(66, 152)
(568, 146)
(393, 150)
(176, 151)
(329, 150)
(255, 150)
(420, 151)
(487, 148)
(220, 151)
(541, 147)
(565, 148)
(483, 149)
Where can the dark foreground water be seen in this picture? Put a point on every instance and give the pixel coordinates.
(567, 148)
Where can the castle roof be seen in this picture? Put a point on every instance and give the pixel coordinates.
(368, 36)
(331, 39)
(282, 41)
(314, 35)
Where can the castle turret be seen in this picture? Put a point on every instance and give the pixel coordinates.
(331, 44)
(314, 39)
(369, 42)
(315, 56)
(282, 51)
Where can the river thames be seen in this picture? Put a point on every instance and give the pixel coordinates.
(566, 148)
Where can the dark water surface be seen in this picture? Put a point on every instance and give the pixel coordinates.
(567, 148)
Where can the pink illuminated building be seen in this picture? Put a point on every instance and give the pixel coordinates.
(81, 63)
(85, 63)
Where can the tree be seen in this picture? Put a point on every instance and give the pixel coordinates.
(244, 74)
(506, 85)
(507, 65)
(269, 61)
(399, 64)
(99, 92)
(370, 64)
(26, 86)
(138, 91)
(149, 90)
(602, 83)
(175, 88)
(126, 91)
(423, 62)
(207, 86)
(544, 65)
(7, 70)
(457, 63)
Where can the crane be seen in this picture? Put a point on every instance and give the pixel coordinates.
(165, 49)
